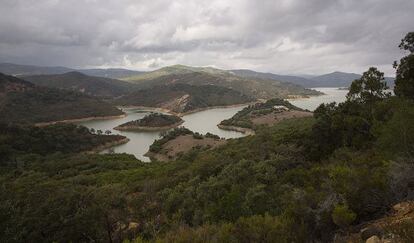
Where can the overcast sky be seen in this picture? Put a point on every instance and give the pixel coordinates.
(281, 36)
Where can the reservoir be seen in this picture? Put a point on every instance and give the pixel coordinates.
(201, 122)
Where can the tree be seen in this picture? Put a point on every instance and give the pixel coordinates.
(343, 216)
(107, 132)
(99, 132)
(404, 80)
(92, 130)
(408, 42)
(369, 88)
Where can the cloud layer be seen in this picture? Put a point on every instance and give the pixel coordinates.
(281, 36)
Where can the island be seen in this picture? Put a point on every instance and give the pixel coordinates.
(262, 114)
(152, 122)
(180, 141)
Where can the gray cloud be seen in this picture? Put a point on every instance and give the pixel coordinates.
(282, 36)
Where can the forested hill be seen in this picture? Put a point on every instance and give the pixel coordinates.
(97, 86)
(257, 88)
(181, 98)
(23, 102)
(334, 79)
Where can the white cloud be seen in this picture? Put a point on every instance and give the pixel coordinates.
(282, 36)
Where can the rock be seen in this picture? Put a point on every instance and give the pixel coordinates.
(373, 239)
(402, 208)
(370, 231)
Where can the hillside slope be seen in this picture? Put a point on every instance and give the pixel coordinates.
(285, 78)
(77, 81)
(23, 102)
(181, 98)
(334, 79)
(257, 88)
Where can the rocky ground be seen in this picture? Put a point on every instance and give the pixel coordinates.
(396, 227)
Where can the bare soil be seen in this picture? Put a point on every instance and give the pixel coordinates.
(275, 117)
(183, 144)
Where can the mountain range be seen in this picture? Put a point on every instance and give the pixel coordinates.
(24, 102)
(28, 70)
(334, 79)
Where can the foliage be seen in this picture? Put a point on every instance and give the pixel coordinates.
(404, 82)
(343, 216)
(369, 88)
(31, 104)
(242, 118)
(63, 138)
(188, 97)
(76, 81)
(154, 120)
(249, 86)
(297, 181)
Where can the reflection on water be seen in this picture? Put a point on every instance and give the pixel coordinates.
(202, 122)
(330, 95)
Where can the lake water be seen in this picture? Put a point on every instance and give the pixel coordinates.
(201, 122)
(330, 95)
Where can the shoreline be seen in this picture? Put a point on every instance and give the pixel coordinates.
(108, 145)
(148, 129)
(148, 108)
(246, 131)
(43, 124)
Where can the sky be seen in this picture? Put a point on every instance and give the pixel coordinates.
(279, 36)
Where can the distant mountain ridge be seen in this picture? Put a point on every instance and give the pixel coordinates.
(334, 79)
(91, 85)
(29, 70)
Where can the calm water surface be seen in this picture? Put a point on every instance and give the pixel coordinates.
(202, 122)
(330, 95)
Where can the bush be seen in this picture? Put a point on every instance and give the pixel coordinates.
(343, 216)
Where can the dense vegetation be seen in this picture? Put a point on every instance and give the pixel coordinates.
(23, 102)
(253, 87)
(184, 97)
(76, 81)
(63, 138)
(301, 180)
(154, 120)
(242, 118)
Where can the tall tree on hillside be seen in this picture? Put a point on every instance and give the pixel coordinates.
(404, 80)
(369, 88)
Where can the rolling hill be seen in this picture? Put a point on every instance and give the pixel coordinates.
(27, 70)
(76, 81)
(253, 87)
(24, 70)
(335, 79)
(24, 102)
(181, 98)
(245, 73)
